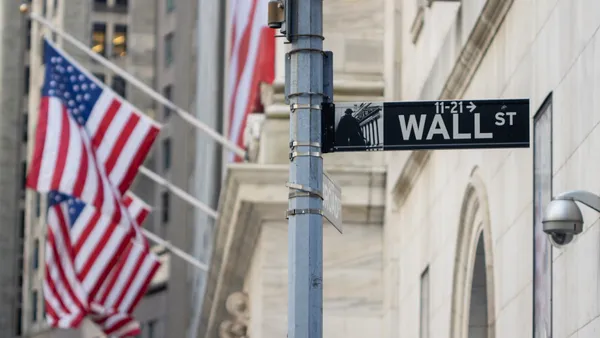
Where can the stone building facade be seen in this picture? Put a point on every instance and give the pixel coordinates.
(436, 243)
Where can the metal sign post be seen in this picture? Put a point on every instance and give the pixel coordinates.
(305, 94)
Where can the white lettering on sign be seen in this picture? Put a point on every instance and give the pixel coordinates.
(456, 134)
(438, 127)
(478, 133)
(500, 118)
(412, 124)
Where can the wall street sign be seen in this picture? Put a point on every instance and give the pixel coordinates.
(419, 125)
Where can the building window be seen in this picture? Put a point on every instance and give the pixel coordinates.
(542, 195)
(100, 77)
(18, 322)
(165, 206)
(167, 93)
(36, 253)
(100, 5)
(28, 34)
(424, 308)
(166, 153)
(22, 224)
(26, 81)
(168, 49)
(99, 38)
(44, 7)
(34, 306)
(119, 86)
(119, 47)
(38, 203)
(55, 6)
(24, 175)
(121, 5)
(170, 5)
(25, 126)
(151, 328)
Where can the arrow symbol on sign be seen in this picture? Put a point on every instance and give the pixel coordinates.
(471, 107)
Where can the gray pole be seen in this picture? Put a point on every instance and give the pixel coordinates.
(305, 228)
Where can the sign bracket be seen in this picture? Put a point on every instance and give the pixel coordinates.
(294, 212)
(305, 189)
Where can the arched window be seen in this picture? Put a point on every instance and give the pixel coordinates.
(473, 295)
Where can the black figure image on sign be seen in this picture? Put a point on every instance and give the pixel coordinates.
(358, 126)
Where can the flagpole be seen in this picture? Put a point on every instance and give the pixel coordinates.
(143, 87)
(182, 254)
(179, 192)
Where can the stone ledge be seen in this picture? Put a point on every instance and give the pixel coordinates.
(253, 194)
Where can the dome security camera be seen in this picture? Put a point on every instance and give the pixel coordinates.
(562, 221)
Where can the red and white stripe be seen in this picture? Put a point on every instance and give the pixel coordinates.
(128, 284)
(121, 137)
(128, 281)
(138, 210)
(63, 161)
(119, 325)
(252, 61)
(66, 301)
(97, 243)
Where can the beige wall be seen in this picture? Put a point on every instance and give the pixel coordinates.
(352, 284)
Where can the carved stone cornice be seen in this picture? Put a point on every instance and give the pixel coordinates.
(410, 172)
(236, 326)
(253, 194)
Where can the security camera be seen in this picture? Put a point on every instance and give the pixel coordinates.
(562, 221)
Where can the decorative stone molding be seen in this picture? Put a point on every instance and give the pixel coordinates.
(237, 325)
(252, 135)
(410, 172)
(474, 220)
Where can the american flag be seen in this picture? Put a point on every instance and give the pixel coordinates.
(63, 160)
(66, 300)
(120, 136)
(251, 61)
(123, 289)
(88, 147)
(96, 241)
(123, 269)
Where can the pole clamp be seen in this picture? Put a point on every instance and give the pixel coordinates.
(296, 106)
(304, 191)
(290, 95)
(295, 154)
(310, 50)
(295, 144)
(293, 212)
